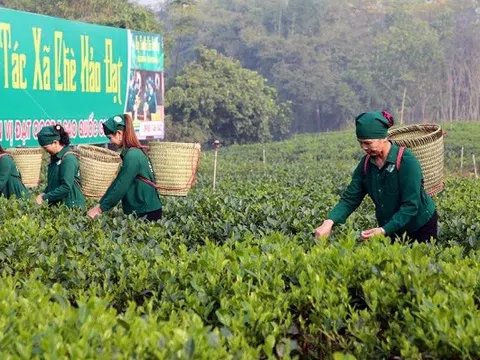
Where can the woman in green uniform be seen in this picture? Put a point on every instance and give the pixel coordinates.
(393, 179)
(135, 181)
(10, 179)
(63, 176)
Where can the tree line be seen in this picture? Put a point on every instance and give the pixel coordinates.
(307, 65)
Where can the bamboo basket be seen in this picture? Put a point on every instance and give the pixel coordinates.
(98, 168)
(426, 142)
(175, 166)
(29, 163)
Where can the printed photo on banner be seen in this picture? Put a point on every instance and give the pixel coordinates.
(145, 96)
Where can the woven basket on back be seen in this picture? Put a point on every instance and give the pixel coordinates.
(426, 142)
(175, 166)
(29, 163)
(98, 168)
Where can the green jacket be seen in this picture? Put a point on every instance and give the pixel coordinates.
(401, 204)
(10, 179)
(63, 180)
(151, 100)
(132, 94)
(136, 195)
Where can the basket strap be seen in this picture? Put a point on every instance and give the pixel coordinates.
(143, 178)
(68, 153)
(365, 164)
(149, 182)
(401, 150)
(159, 187)
(154, 185)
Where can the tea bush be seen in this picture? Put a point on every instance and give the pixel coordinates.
(236, 273)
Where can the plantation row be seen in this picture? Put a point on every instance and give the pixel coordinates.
(237, 273)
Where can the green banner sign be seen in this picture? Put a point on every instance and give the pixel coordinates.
(58, 71)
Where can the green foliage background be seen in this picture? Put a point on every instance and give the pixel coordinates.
(328, 60)
(336, 58)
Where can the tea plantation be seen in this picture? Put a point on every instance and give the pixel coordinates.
(236, 273)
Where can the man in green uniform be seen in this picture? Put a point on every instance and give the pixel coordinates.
(63, 176)
(392, 177)
(150, 99)
(132, 94)
(135, 181)
(10, 178)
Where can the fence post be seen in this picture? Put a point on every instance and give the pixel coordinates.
(475, 166)
(216, 145)
(461, 162)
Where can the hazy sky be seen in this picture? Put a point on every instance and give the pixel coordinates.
(149, 2)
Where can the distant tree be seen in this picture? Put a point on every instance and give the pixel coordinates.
(408, 56)
(220, 99)
(334, 58)
(116, 13)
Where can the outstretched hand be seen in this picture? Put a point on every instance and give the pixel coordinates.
(324, 230)
(367, 234)
(39, 199)
(94, 212)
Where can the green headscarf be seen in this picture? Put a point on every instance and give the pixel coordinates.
(371, 125)
(48, 135)
(113, 124)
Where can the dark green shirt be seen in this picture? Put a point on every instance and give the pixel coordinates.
(151, 100)
(136, 195)
(10, 180)
(401, 204)
(132, 94)
(63, 180)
